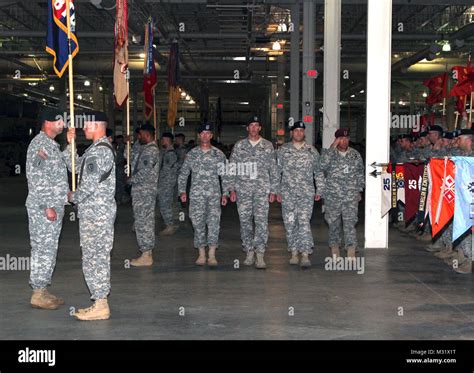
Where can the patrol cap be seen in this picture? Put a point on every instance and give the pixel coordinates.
(254, 119)
(298, 124)
(465, 131)
(147, 127)
(167, 134)
(51, 115)
(436, 128)
(342, 132)
(205, 127)
(95, 116)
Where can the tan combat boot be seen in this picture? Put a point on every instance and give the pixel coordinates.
(144, 260)
(335, 252)
(295, 259)
(425, 237)
(42, 299)
(98, 311)
(465, 267)
(351, 253)
(201, 260)
(169, 230)
(59, 301)
(305, 262)
(250, 259)
(211, 261)
(260, 264)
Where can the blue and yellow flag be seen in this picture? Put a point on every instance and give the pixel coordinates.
(56, 40)
(464, 202)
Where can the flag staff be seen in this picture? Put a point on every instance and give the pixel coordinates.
(71, 94)
(470, 111)
(128, 119)
(154, 113)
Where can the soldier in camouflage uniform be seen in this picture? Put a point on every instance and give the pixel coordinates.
(97, 209)
(144, 182)
(134, 151)
(206, 163)
(48, 186)
(344, 183)
(253, 186)
(181, 150)
(408, 150)
(167, 183)
(298, 166)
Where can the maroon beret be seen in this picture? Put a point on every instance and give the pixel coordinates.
(342, 132)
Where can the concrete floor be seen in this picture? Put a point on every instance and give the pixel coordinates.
(229, 303)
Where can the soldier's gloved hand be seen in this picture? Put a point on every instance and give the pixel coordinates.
(233, 196)
(71, 135)
(279, 198)
(271, 197)
(224, 200)
(183, 197)
(317, 197)
(51, 214)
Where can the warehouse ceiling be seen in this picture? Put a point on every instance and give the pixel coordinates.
(222, 36)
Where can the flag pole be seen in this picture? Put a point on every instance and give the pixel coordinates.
(470, 111)
(128, 120)
(154, 113)
(444, 106)
(71, 94)
(456, 120)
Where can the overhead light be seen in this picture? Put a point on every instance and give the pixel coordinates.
(287, 77)
(243, 103)
(447, 47)
(87, 83)
(51, 88)
(79, 97)
(362, 91)
(183, 94)
(101, 88)
(352, 96)
(239, 58)
(425, 94)
(395, 55)
(141, 55)
(401, 102)
(25, 94)
(191, 102)
(154, 46)
(188, 97)
(33, 84)
(276, 46)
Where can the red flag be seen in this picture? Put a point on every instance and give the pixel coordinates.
(121, 52)
(442, 193)
(413, 176)
(464, 75)
(438, 88)
(149, 73)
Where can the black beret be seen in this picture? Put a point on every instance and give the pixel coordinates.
(95, 116)
(406, 136)
(205, 127)
(180, 135)
(448, 135)
(423, 133)
(298, 124)
(436, 128)
(167, 134)
(465, 131)
(147, 127)
(254, 119)
(51, 115)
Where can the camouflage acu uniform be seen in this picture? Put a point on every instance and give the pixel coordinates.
(205, 194)
(96, 212)
(181, 151)
(120, 194)
(144, 181)
(344, 180)
(408, 155)
(299, 169)
(48, 186)
(256, 176)
(167, 184)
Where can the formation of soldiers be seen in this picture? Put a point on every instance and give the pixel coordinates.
(255, 175)
(433, 143)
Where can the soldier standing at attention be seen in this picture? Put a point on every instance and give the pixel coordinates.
(298, 165)
(97, 208)
(167, 182)
(253, 186)
(48, 186)
(344, 183)
(144, 182)
(206, 163)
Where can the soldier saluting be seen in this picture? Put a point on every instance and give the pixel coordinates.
(96, 212)
(48, 186)
(344, 183)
